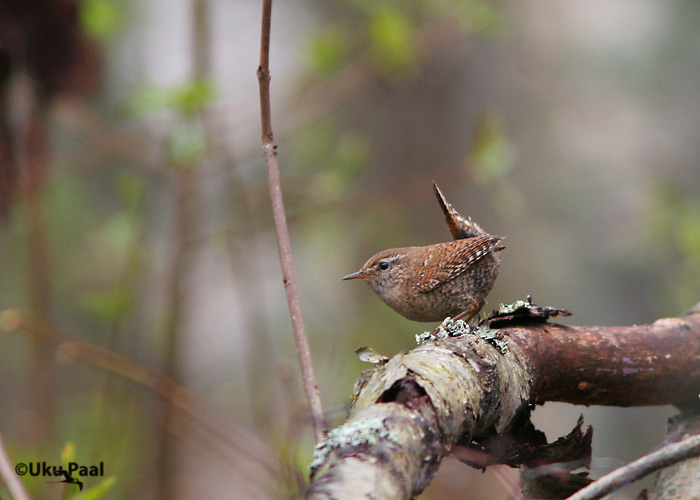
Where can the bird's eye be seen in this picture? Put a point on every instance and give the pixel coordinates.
(383, 265)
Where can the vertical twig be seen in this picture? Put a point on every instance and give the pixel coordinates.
(33, 160)
(7, 471)
(269, 154)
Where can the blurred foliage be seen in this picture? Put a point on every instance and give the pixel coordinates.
(333, 159)
(675, 220)
(101, 19)
(67, 454)
(107, 306)
(393, 44)
(392, 33)
(186, 144)
(96, 244)
(329, 50)
(492, 155)
(95, 492)
(188, 100)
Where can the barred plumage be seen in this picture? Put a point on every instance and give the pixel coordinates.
(444, 279)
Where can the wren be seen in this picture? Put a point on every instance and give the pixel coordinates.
(433, 282)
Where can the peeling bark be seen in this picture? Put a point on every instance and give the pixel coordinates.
(410, 410)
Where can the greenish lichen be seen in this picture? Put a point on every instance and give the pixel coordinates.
(448, 328)
(451, 328)
(493, 337)
(516, 306)
(524, 310)
(352, 434)
(423, 337)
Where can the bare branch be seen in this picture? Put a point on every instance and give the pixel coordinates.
(668, 455)
(613, 366)
(284, 245)
(683, 479)
(7, 471)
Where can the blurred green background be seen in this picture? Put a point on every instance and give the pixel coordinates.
(136, 215)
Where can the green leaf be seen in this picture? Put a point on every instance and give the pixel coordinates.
(68, 453)
(393, 42)
(188, 100)
(100, 18)
(329, 50)
(107, 305)
(194, 98)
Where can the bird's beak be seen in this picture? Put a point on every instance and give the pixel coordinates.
(355, 276)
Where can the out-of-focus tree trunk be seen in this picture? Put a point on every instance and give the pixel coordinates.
(33, 160)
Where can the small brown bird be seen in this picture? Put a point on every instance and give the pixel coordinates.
(444, 279)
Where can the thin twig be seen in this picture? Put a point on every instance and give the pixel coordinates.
(668, 455)
(7, 471)
(284, 245)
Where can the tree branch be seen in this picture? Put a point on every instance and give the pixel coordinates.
(7, 471)
(613, 366)
(668, 455)
(407, 411)
(683, 479)
(269, 153)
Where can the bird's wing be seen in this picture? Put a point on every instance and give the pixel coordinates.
(455, 259)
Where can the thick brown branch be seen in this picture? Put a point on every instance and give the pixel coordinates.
(643, 365)
(455, 390)
(284, 244)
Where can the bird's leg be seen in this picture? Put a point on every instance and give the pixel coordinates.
(470, 311)
(467, 315)
(464, 313)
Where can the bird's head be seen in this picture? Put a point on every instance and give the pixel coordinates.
(384, 271)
